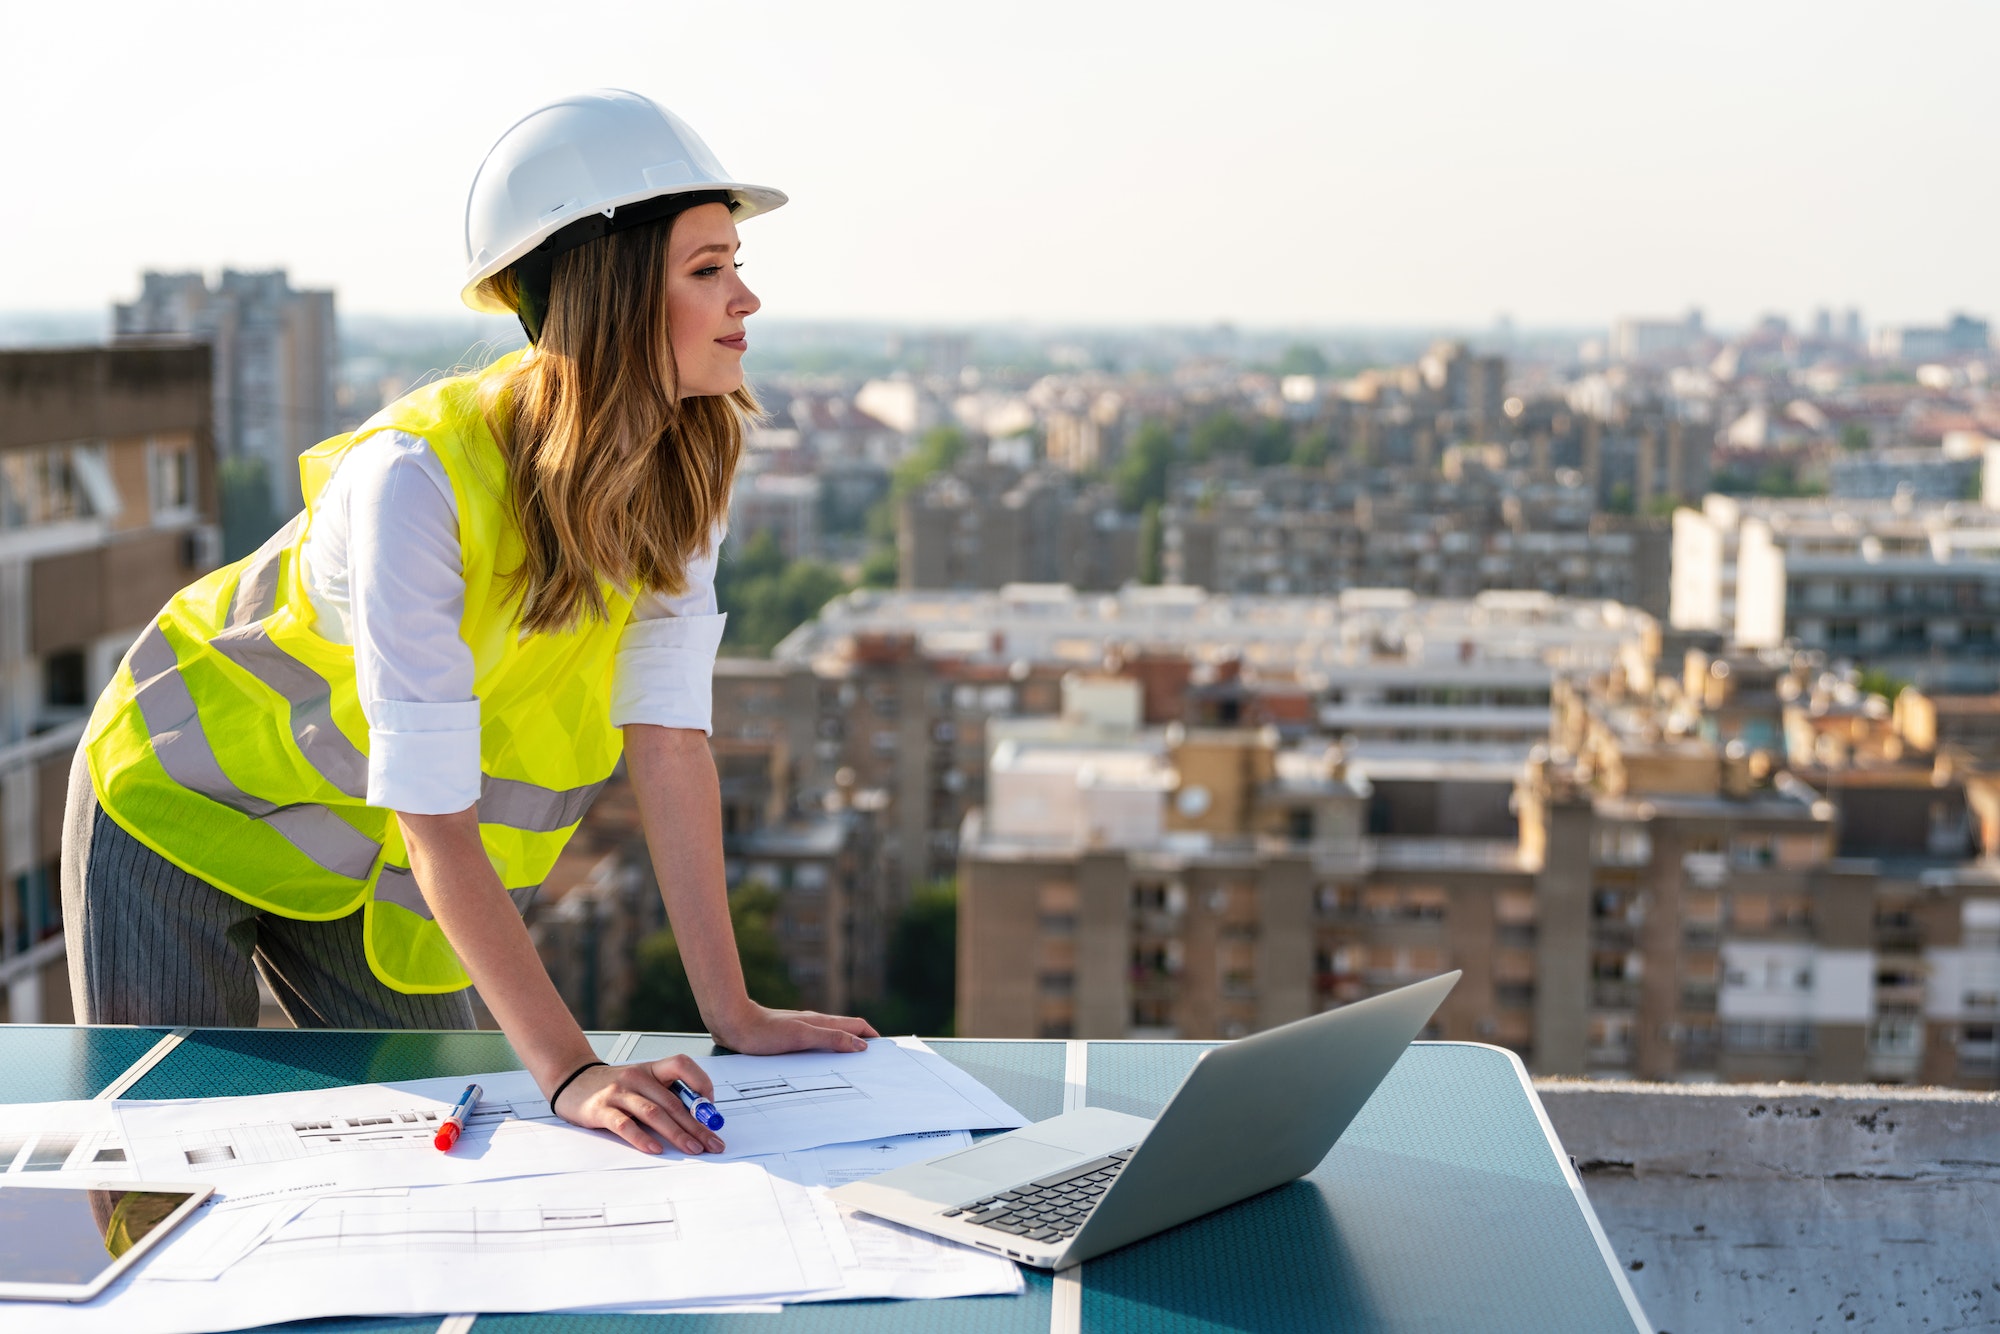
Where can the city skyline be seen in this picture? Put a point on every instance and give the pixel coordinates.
(1565, 166)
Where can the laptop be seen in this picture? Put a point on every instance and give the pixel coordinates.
(1251, 1115)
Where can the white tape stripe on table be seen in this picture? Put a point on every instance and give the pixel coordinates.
(137, 1070)
(1066, 1302)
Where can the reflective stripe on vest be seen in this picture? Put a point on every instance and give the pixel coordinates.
(502, 801)
(398, 885)
(184, 752)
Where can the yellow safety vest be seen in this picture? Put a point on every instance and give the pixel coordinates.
(232, 742)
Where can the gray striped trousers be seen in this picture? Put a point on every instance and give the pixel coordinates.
(150, 944)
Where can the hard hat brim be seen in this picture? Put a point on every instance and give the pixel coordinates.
(751, 200)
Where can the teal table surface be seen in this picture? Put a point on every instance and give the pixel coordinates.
(1447, 1206)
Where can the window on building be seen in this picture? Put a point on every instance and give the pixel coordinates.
(64, 683)
(1750, 912)
(37, 915)
(1767, 1037)
(1896, 1036)
(170, 477)
(1624, 845)
(1610, 1036)
(41, 486)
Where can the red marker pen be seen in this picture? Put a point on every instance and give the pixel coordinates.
(454, 1125)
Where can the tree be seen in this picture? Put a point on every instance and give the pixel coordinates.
(937, 451)
(248, 517)
(922, 970)
(882, 568)
(1303, 359)
(766, 596)
(1149, 543)
(1313, 449)
(1223, 433)
(1142, 472)
(663, 1002)
(1875, 681)
(1270, 443)
(1854, 437)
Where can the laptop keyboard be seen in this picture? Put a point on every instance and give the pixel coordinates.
(1051, 1208)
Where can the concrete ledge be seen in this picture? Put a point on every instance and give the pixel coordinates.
(1794, 1206)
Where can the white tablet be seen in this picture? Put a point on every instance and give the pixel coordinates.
(64, 1242)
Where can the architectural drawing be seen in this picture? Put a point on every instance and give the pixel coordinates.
(744, 1096)
(351, 1228)
(388, 1127)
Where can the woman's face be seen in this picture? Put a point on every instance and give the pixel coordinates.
(706, 301)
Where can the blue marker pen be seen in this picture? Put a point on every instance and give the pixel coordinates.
(704, 1110)
(454, 1125)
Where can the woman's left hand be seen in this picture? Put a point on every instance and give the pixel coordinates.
(761, 1031)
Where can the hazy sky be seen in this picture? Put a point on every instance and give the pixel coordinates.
(1318, 164)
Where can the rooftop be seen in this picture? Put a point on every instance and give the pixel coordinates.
(1380, 631)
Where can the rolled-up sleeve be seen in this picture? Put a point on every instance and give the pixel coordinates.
(423, 758)
(413, 670)
(665, 670)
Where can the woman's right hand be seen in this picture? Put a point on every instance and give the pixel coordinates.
(635, 1103)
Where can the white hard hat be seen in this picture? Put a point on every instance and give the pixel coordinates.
(588, 153)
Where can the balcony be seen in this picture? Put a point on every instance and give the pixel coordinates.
(1608, 994)
(1613, 933)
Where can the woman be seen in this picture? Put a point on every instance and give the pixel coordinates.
(340, 761)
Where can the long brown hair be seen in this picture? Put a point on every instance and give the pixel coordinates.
(612, 475)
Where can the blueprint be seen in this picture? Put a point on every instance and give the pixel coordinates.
(874, 1258)
(61, 1137)
(687, 1233)
(367, 1135)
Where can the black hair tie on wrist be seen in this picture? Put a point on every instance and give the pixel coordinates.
(587, 1065)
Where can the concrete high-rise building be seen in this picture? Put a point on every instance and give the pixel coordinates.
(107, 508)
(1912, 588)
(984, 526)
(1636, 339)
(1960, 336)
(1653, 894)
(275, 361)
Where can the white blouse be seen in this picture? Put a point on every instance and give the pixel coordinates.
(382, 569)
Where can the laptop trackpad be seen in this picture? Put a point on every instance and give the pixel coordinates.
(1002, 1162)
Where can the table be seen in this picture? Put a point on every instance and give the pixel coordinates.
(1447, 1206)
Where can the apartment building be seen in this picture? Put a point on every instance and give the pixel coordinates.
(1652, 894)
(1922, 474)
(1745, 919)
(275, 362)
(1202, 882)
(787, 506)
(910, 680)
(1912, 589)
(1253, 540)
(986, 525)
(107, 507)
